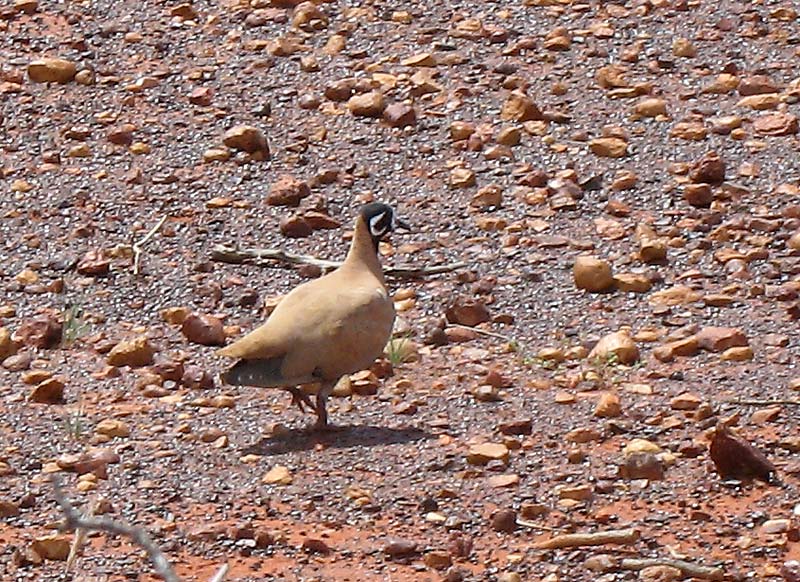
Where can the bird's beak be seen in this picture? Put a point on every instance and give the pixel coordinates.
(400, 223)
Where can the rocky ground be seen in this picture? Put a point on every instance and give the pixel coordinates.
(620, 180)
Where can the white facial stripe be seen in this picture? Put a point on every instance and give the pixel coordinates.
(373, 224)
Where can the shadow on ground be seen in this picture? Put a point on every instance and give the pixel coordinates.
(339, 437)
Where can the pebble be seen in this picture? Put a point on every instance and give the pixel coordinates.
(592, 274)
(719, 339)
(49, 391)
(661, 573)
(136, 352)
(8, 347)
(608, 406)
(203, 329)
(370, 104)
(287, 191)
(400, 115)
(642, 465)
(400, 548)
(42, 331)
(52, 70)
(520, 107)
(483, 453)
(295, 226)
(278, 475)
(618, 347)
(52, 547)
(112, 427)
(467, 311)
(504, 520)
(246, 138)
(609, 147)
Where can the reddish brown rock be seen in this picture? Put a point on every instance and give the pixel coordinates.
(136, 352)
(520, 107)
(203, 329)
(49, 391)
(51, 70)
(400, 115)
(43, 331)
(369, 104)
(466, 311)
(710, 169)
(295, 226)
(246, 138)
(94, 263)
(698, 195)
(287, 191)
(776, 124)
(719, 339)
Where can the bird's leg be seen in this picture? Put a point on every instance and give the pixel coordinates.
(301, 399)
(322, 411)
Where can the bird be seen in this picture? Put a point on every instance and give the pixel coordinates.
(324, 329)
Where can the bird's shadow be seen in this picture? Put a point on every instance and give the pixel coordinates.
(339, 437)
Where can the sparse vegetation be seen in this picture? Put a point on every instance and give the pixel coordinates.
(75, 325)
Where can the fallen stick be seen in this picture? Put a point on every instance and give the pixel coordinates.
(688, 569)
(485, 332)
(613, 536)
(138, 246)
(259, 257)
(75, 521)
(80, 538)
(764, 402)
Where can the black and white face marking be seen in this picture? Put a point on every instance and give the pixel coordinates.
(379, 218)
(381, 224)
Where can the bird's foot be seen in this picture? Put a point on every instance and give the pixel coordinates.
(301, 399)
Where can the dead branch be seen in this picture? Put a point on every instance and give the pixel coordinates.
(688, 569)
(138, 246)
(261, 257)
(764, 402)
(80, 538)
(75, 521)
(614, 536)
(485, 332)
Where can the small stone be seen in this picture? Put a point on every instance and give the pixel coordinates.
(8, 347)
(278, 475)
(437, 559)
(500, 481)
(609, 147)
(136, 352)
(682, 47)
(601, 563)
(644, 465)
(651, 107)
(460, 130)
(49, 391)
(520, 107)
(632, 282)
(94, 263)
(776, 526)
(461, 178)
(689, 130)
(8, 508)
(246, 138)
(592, 274)
(618, 347)
(737, 354)
(504, 520)
(685, 401)
(43, 331)
(185, 11)
(488, 197)
(400, 115)
(583, 435)
(776, 124)
(203, 329)
(467, 311)
(287, 191)
(710, 169)
(196, 378)
(113, 428)
(516, 427)
(201, 96)
(794, 241)
(51, 70)
(608, 406)
(400, 548)
(698, 195)
(371, 104)
(52, 547)
(672, 296)
(660, 573)
(216, 155)
(121, 135)
(295, 226)
(641, 446)
(484, 453)
(315, 546)
(719, 339)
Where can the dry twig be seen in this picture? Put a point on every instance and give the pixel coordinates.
(764, 402)
(260, 257)
(614, 536)
(75, 521)
(688, 569)
(485, 332)
(138, 246)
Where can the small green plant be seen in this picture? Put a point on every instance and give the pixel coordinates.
(400, 350)
(74, 424)
(74, 325)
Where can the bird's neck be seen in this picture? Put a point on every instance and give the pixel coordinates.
(363, 251)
